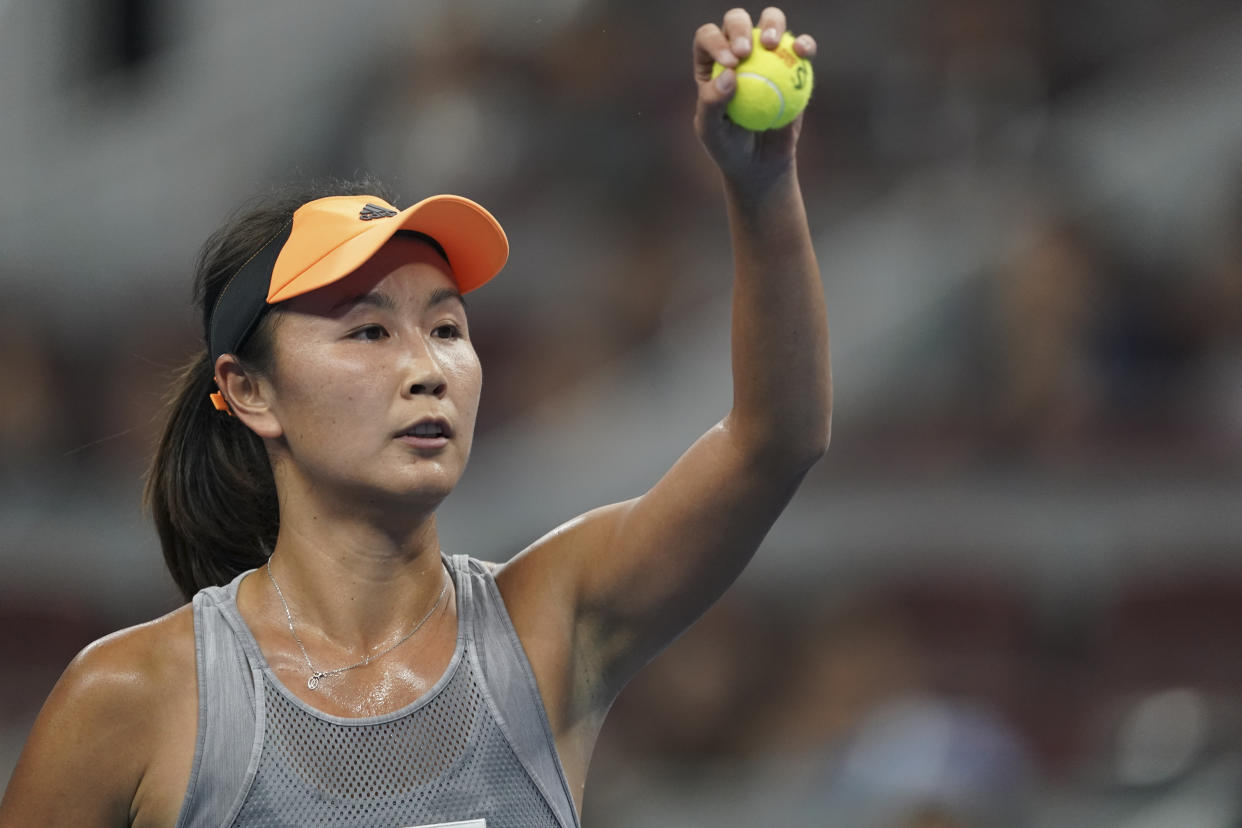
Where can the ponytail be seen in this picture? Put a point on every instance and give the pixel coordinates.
(210, 487)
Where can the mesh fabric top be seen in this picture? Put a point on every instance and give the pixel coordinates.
(476, 746)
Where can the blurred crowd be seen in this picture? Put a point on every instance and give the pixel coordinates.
(1075, 341)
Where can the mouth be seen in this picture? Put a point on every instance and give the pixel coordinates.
(430, 431)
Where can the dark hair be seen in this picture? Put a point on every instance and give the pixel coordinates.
(210, 487)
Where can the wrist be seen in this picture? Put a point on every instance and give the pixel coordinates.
(752, 192)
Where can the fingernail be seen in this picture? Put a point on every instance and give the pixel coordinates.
(769, 35)
(724, 81)
(726, 58)
(741, 44)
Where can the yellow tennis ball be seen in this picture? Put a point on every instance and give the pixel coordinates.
(773, 86)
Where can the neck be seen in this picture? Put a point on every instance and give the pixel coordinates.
(353, 580)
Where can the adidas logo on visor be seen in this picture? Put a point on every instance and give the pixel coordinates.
(374, 211)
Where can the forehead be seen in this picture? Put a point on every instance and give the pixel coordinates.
(407, 270)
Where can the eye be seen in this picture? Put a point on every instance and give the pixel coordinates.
(369, 333)
(448, 330)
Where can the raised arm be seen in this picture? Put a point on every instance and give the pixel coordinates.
(596, 599)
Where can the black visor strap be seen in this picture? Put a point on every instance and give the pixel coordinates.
(243, 299)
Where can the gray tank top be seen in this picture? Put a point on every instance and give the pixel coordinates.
(477, 746)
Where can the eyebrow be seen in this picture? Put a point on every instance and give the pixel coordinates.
(440, 295)
(381, 300)
(375, 298)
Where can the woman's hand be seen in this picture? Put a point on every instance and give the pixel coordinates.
(746, 158)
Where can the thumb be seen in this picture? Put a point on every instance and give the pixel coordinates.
(714, 97)
(718, 91)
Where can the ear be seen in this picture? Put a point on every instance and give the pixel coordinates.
(248, 396)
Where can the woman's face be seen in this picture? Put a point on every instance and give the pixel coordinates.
(375, 383)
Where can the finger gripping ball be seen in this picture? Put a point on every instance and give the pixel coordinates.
(773, 86)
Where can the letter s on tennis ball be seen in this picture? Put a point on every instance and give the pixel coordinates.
(773, 86)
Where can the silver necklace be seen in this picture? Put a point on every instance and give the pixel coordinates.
(316, 675)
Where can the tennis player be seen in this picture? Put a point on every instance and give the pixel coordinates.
(333, 666)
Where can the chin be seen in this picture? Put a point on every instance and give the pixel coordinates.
(404, 486)
(425, 489)
(401, 502)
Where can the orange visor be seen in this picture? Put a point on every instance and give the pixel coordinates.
(330, 238)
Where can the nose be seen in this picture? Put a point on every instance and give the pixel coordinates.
(424, 374)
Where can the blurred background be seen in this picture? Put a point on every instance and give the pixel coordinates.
(1012, 593)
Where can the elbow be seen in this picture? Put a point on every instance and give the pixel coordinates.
(807, 441)
(825, 434)
(816, 436)
(795, 461)
(791, 453)
(814, 449)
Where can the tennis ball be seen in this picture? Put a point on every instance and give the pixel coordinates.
(773, 86)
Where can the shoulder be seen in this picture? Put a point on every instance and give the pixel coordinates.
(104, 722)
(132, 677)
(556, 564)
(138, 663)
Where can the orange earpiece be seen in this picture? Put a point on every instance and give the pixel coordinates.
(221, 404)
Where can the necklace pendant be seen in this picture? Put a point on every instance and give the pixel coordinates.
(313, 681)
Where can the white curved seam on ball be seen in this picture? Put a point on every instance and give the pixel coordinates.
(779, 95)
